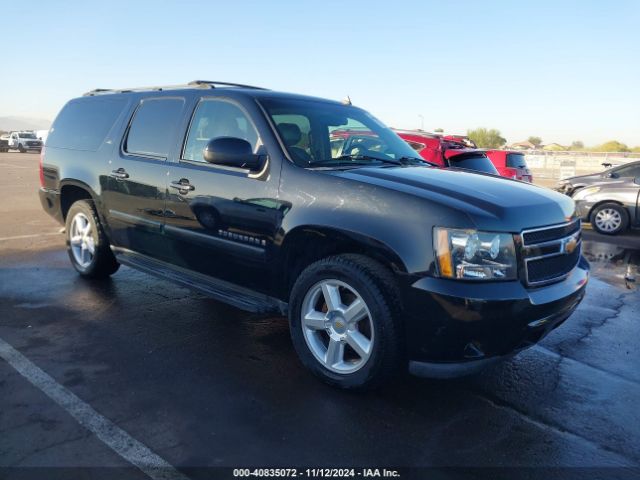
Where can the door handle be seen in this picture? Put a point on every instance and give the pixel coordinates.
(183, 186)
(119, 174)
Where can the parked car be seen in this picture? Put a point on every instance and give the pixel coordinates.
(612, 176)
(380, 261)
(4, 143)
(24, 142)
(511, 164)
(611, 207)
(448, 151)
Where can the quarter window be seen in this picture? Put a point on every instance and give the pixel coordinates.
(153, 128)
(213, 119)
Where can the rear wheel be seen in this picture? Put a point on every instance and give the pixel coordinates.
(609, 219)
(343, 320)
(87, 243)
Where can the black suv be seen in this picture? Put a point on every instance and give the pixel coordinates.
(380, 261)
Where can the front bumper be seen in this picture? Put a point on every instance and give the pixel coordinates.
(470, 325)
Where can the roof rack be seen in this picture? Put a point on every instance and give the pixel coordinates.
(192, 84)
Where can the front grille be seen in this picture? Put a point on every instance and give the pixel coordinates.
(548, 234)
(33, 144)
(551, 253)
(546, 269)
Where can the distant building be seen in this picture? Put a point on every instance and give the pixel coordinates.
(525, 145)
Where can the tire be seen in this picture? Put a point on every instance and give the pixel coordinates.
(88, 250)
(21, 148)
(609, 219)
(375, 333)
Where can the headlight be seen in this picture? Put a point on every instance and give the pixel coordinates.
(585, 192)
(474, 255)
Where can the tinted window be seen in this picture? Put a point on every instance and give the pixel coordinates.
(476, 162)
(84, 124)
(629, 171)
(217, 118)
(153, 128)
(516, 160)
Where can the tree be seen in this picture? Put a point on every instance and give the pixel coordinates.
(486, 138)
(537, 141)
(439, 130)
(635, 149)
(611, 146)
(577, 145)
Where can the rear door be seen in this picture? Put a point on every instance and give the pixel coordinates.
(222, 221)
(135, 183)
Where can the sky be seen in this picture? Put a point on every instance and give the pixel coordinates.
(561, 70)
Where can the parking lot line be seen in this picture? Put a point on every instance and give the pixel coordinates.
(34, 235)
(104, 429)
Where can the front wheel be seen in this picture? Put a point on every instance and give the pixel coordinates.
(21, 149)
(609, 219)
(343, 319)
(87, 243)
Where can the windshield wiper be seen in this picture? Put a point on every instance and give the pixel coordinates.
(359, 156)
(405, 160)
(360, 159)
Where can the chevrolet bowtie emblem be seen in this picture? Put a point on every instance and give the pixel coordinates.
(569, 245)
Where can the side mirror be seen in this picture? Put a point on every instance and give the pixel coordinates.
(232, 152)
(612, 175)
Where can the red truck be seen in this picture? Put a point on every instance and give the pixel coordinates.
(511, 164)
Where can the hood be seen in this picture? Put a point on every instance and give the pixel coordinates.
(595, 179)
(492, 203)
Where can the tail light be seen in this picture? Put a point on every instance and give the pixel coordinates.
(42, 167)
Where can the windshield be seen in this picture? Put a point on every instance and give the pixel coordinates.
(27, 135)
(323, 134)
(473, 161)
(516, 160)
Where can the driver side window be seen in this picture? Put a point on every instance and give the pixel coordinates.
(213, 119)
(630, 171)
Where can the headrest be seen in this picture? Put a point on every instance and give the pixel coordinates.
(290, 133)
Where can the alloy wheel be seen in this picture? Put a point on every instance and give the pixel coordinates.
(337, 326)
(81, 240)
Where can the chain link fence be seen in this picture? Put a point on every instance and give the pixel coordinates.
(559, 165)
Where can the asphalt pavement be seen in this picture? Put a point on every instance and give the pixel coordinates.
(135, 377)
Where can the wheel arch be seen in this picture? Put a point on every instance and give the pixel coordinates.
(603, 202)
(71, 191)
(307, 244)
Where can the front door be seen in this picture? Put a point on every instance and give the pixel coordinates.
(134, 185)
(221, 221)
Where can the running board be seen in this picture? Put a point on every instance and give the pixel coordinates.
(239, 297)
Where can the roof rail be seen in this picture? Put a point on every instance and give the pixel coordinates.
(213, 83)
(193, 84)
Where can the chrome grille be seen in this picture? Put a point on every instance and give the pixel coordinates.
(551, 253)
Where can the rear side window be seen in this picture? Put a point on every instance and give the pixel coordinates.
(84, 124)
(153, 128)
(478, 163)
(516, 160)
